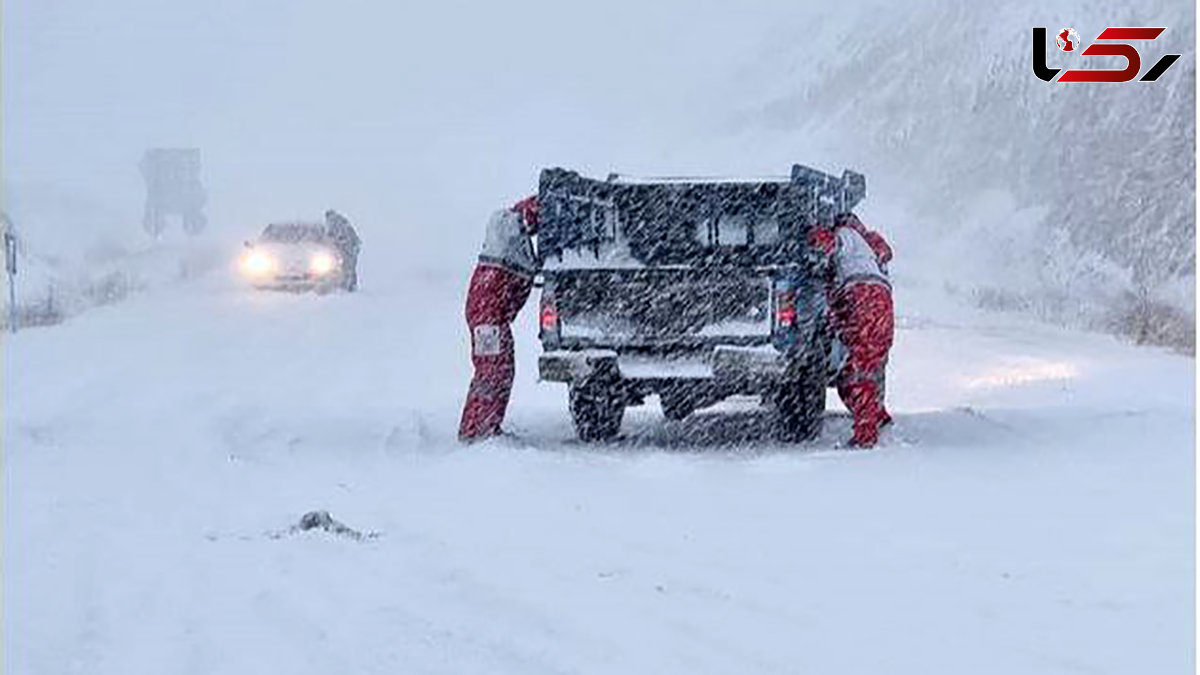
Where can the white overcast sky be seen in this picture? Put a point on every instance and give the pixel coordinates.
(410, 117)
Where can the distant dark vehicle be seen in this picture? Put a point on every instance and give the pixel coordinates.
(689, 288)
(173, 188)
(298, 257)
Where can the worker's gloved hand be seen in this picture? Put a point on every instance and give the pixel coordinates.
(878, 244)
(527, 209)
(822, 239)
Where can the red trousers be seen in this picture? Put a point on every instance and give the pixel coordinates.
(495, 297)
(864, 322)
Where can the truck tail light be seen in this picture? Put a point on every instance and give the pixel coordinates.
(785, 308)
(548, 315)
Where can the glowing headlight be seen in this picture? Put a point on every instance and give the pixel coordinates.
(257, 263)
(322, 263)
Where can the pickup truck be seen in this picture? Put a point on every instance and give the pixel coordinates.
(691, 289)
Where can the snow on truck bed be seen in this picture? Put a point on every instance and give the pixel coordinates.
(702, 180)
(1030, 512)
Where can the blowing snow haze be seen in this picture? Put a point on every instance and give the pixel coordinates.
(204, 476)
(417, 119)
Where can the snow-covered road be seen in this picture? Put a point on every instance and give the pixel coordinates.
(1031, 512)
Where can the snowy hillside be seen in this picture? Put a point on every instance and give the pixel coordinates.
(1073, 203)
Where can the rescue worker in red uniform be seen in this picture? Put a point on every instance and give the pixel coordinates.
(862, 315)
(499, 287)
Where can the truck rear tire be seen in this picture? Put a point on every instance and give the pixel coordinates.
(800, 406)
(597, 411)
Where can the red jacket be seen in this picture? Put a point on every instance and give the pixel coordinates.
(858, 255)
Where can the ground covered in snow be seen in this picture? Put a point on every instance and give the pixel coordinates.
(1031, 511)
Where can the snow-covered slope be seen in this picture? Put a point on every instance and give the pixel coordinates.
(1031, 511)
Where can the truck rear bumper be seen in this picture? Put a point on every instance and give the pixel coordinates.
(572, 366)
(724, 364)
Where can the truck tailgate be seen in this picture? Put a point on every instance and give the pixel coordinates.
(650, 306)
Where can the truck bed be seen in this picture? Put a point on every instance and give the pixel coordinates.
(652, 306)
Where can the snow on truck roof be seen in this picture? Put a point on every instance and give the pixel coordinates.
(621, 179)
(686, 220)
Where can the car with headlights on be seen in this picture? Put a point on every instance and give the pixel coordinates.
(296, 257)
